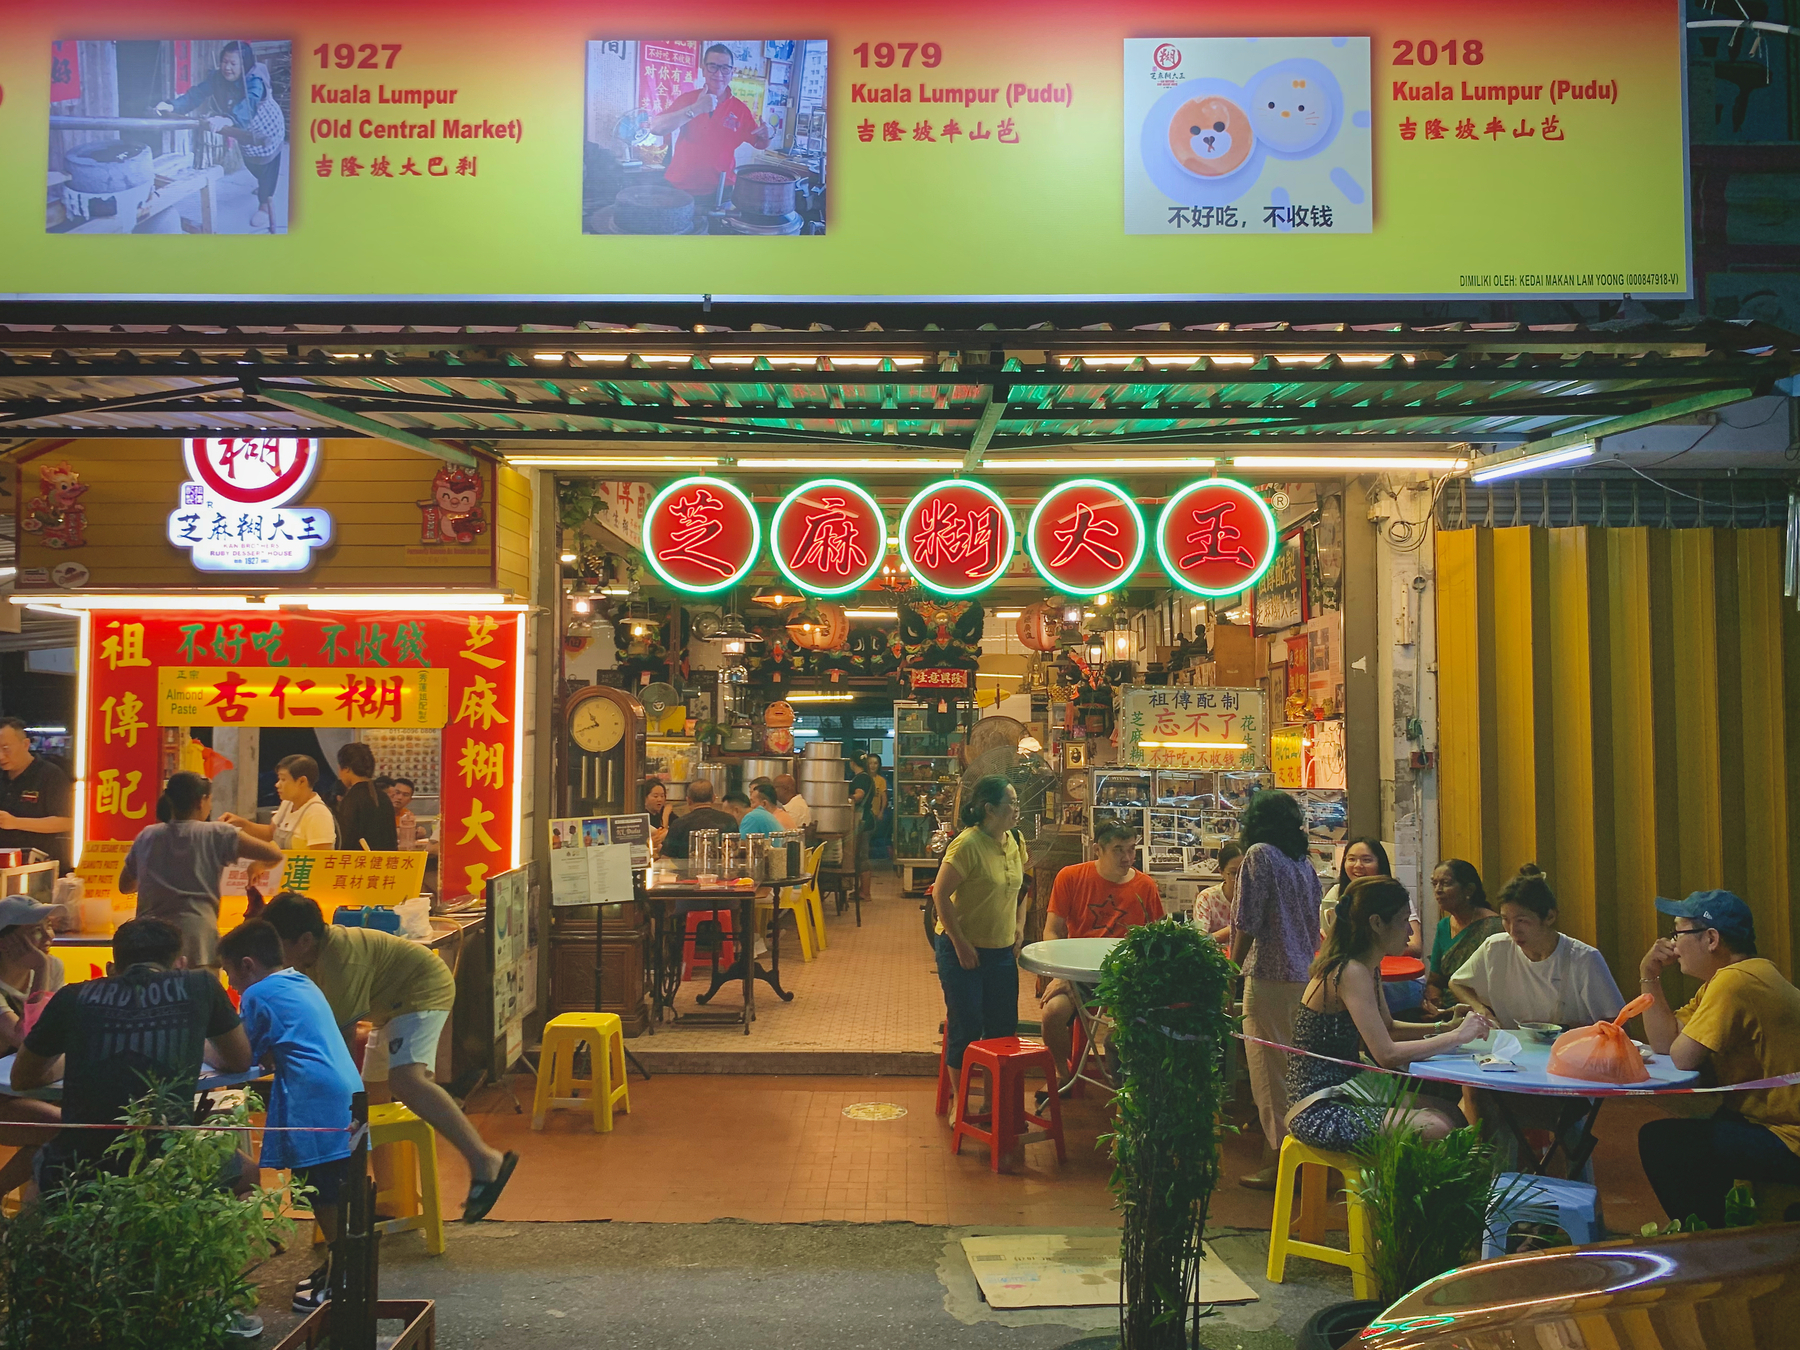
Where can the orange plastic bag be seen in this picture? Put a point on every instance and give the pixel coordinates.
(1602, 1053)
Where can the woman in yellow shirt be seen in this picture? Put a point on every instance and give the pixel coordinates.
(981, 919)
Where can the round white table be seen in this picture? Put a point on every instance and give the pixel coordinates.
(1581, 1098)
(1078, 961)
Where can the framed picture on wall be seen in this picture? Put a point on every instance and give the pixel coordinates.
(1074, 755)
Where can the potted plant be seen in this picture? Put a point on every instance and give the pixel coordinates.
(1167, 988)
(1429, 1204)
(151, 1256)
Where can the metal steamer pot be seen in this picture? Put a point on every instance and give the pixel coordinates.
(767, 768)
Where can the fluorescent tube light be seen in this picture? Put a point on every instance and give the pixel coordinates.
(1531, 463)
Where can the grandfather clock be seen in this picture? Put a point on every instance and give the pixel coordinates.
(604, 761)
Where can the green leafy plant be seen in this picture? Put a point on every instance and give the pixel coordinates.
(153, 1256)
(1429, 1201)
(1166, 987)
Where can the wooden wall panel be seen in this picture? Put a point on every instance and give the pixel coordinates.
(1621, 703)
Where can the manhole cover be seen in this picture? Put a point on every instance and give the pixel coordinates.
(874, 1111)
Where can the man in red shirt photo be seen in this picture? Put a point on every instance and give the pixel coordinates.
(1105, 898)
(709, 124)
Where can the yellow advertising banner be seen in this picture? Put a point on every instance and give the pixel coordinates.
(99, 867)
(343, 877)
(1274, 149)
(318, 696)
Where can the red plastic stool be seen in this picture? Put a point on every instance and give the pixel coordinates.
(1007, 1059)
(946, 1086)
(727, 947)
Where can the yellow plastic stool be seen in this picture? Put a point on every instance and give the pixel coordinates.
(1294, 1156)
(557, 1085)
(415, 1197)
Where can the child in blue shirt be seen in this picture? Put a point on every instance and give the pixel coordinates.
(290, 1026)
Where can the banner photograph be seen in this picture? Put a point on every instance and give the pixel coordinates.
(920, 150)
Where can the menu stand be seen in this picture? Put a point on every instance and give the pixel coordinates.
(631, 1060)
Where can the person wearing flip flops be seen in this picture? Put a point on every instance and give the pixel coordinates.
(407, 992)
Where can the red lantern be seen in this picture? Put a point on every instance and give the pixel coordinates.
(823, 628)
(1037, 627)
(1216, 537)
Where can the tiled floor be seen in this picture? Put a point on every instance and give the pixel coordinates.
(874, 990)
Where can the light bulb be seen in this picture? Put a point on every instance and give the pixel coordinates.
(583, 606)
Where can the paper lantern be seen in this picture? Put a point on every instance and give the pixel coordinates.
(1037, 627)
(826, 630)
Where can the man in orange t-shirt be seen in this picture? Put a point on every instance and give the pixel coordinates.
(1104, 898)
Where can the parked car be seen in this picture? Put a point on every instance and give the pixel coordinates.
(1731, 1289)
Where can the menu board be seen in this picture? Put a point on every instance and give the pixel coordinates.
(906, 149)
(1183, 727)
(592, 858)
(514, 963)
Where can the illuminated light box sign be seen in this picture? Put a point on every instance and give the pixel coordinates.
(957, 537)
(939, 677)
(578, 156)
(828, 537)
(1085, 536)
(701, 534)
(232, 514)
(218, 696)
(1216, 537)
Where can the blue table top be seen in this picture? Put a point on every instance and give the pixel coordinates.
(1532, 1074)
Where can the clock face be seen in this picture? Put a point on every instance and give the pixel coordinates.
(1076, 785)
(597, 725)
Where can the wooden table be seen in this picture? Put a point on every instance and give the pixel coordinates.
(665, 890)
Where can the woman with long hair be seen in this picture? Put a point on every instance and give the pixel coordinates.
(1341, 1013)
(653, 801)
(175, 865)
(981, 919)
(1468, 921)
(241, 96)
(1368, 857)
(366, 818)
(1276, 934)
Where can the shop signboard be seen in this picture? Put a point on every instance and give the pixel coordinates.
(1085, 536)
(232, 514)
(701, 534)
(1281, 594)
(971, 152)
(938, 677)
(828, 537)
(1200, 729)
(1216, 537)
(957, 537)
(463, 667)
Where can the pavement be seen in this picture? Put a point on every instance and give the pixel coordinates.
(727, 1284)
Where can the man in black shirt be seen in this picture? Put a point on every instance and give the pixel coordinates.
(34, 797)
(701, 815)
(147, 1022)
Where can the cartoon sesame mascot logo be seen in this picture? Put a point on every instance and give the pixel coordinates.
(56, 514)
(452, 515)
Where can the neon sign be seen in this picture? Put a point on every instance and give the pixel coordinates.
(828, 537)
(1085, 536)
(957, 537)
(1216, 537)
(701, 534)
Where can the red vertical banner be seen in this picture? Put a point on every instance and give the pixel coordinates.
(666, 70)
(65, 71)
(457, 672)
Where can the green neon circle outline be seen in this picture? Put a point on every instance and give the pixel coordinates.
(775, 536)
(755, 533)
(1130, 568)
(1012, 536)
(1162, 553)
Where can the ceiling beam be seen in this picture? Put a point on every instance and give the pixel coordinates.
(322, 410)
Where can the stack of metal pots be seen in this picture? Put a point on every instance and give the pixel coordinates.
(823, 785)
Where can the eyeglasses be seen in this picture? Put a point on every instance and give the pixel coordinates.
(1684, 932)
(717, 67)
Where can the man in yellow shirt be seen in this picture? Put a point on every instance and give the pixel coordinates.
(1744, 1025)
(407, 992)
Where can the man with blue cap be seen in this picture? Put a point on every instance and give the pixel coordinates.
(1743, 1025)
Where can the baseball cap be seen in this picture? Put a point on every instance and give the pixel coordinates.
(18, 909)
(1716, 909)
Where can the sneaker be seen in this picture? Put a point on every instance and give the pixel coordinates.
(319, 1279)
(310, 1299)
(244, 1326)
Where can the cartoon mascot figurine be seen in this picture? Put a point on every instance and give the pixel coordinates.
(453, 515)
(56, 513)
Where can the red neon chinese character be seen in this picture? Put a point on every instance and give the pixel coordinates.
(696, 525)
(829, 541)
(944, 537)
(1215, 539)
(1083, 536)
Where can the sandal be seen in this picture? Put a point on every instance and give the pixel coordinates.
(484, 1194)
